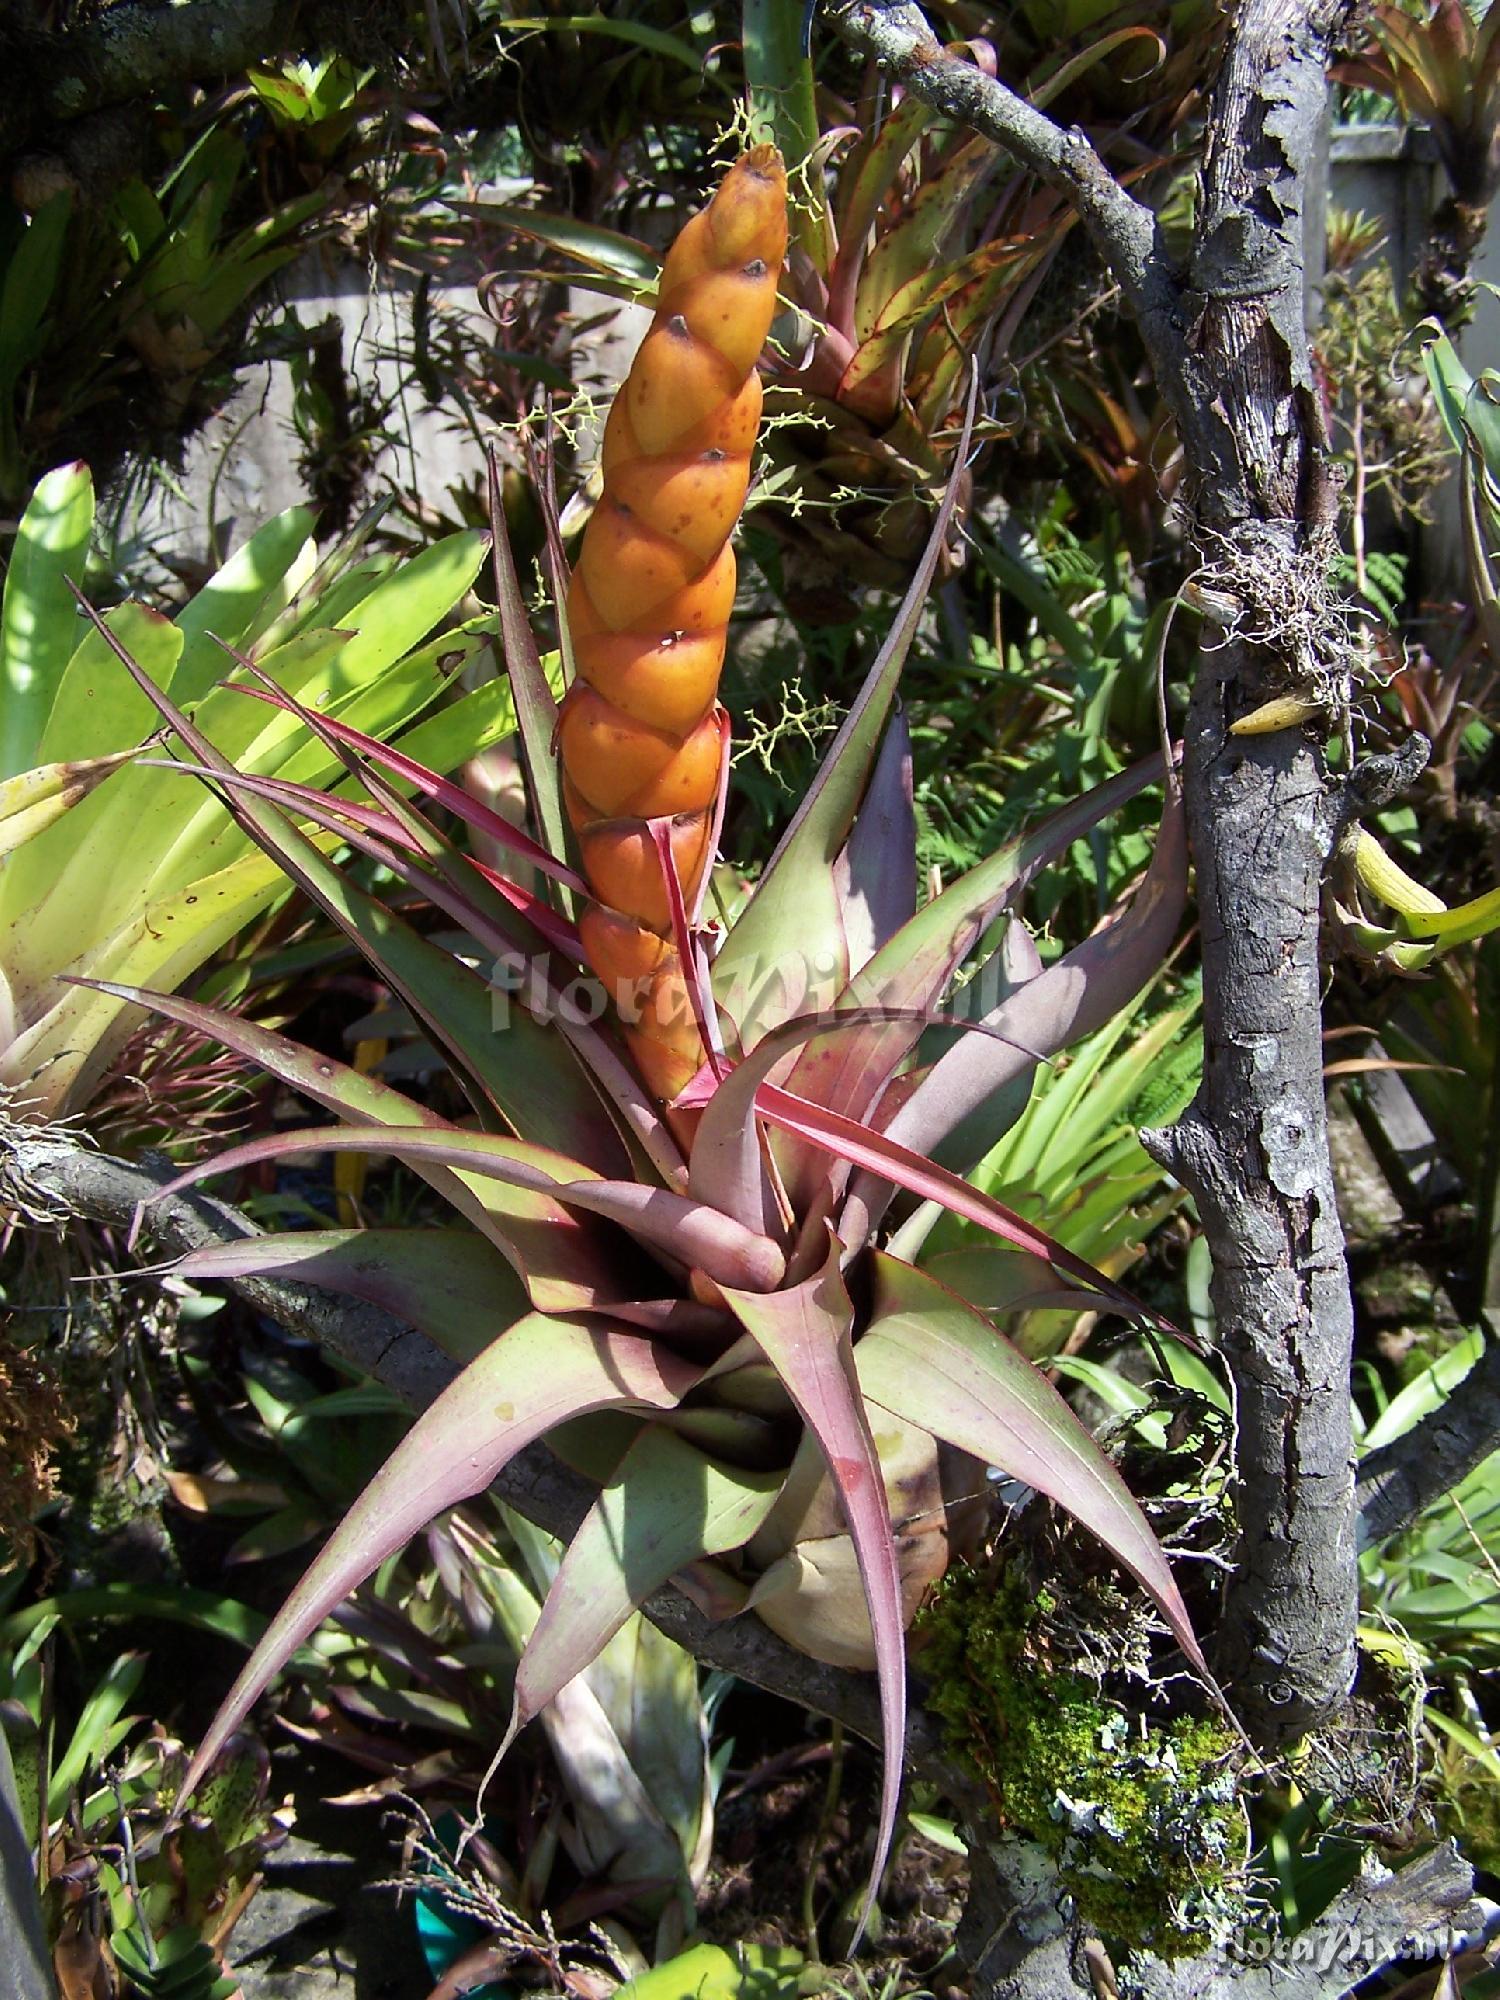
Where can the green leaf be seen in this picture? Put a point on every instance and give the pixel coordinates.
(638, 33)
(97, 709)
(71, 1041)
(1425, 1393)
(665, 1506)
(179, 1605)
(783, 108)
(536, 1081)
(1456, 926)
(33, 800)
(290, 1527)
(459, 730)
(39, 623)
(175, 831)
(94, 1735)
(253, 587)
(793, 925)
(873, 177)
(30, 279)
(910, 246)
(342, 578)
(941, 1833)
(708, 1972)
(996, 262)
(402, 610)
(604, 251)
(536, 707)
(186, 1968)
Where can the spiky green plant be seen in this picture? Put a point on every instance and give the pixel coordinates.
(120, 316)
(803, 1418)
(109, 868)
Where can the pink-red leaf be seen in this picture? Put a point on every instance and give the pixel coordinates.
(912, 970)
(1069, 1000)
(804, 1332)
(562, 1260)
(537, 1374)
(687, 1231)
(536, 1086)
(899, 1167)
(449, 1283)
(442, 791)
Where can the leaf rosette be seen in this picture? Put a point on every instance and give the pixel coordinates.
(687, 1210)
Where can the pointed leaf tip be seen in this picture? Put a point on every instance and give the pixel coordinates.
(537, 1374)
(805, 1333)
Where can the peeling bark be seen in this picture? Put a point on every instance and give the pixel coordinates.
(1264, 816)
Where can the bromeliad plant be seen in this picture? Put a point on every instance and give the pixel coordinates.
(120, 317)
(681, 1223)
(1441, 63)
(109, 868)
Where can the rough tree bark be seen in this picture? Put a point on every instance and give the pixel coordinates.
(1264, 816)
(1402, 1478)
(130, 52)
(1227, 343)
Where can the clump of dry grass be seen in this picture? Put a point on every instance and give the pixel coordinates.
(34, 1420)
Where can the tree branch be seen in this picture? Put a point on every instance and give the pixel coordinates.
(1124, 230)
(130, 52)
(1427, 1908)
(1228, 345)
(1402, 1478)
(49, 1177)
(897, 35)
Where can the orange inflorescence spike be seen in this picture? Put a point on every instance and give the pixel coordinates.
(640, 732)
